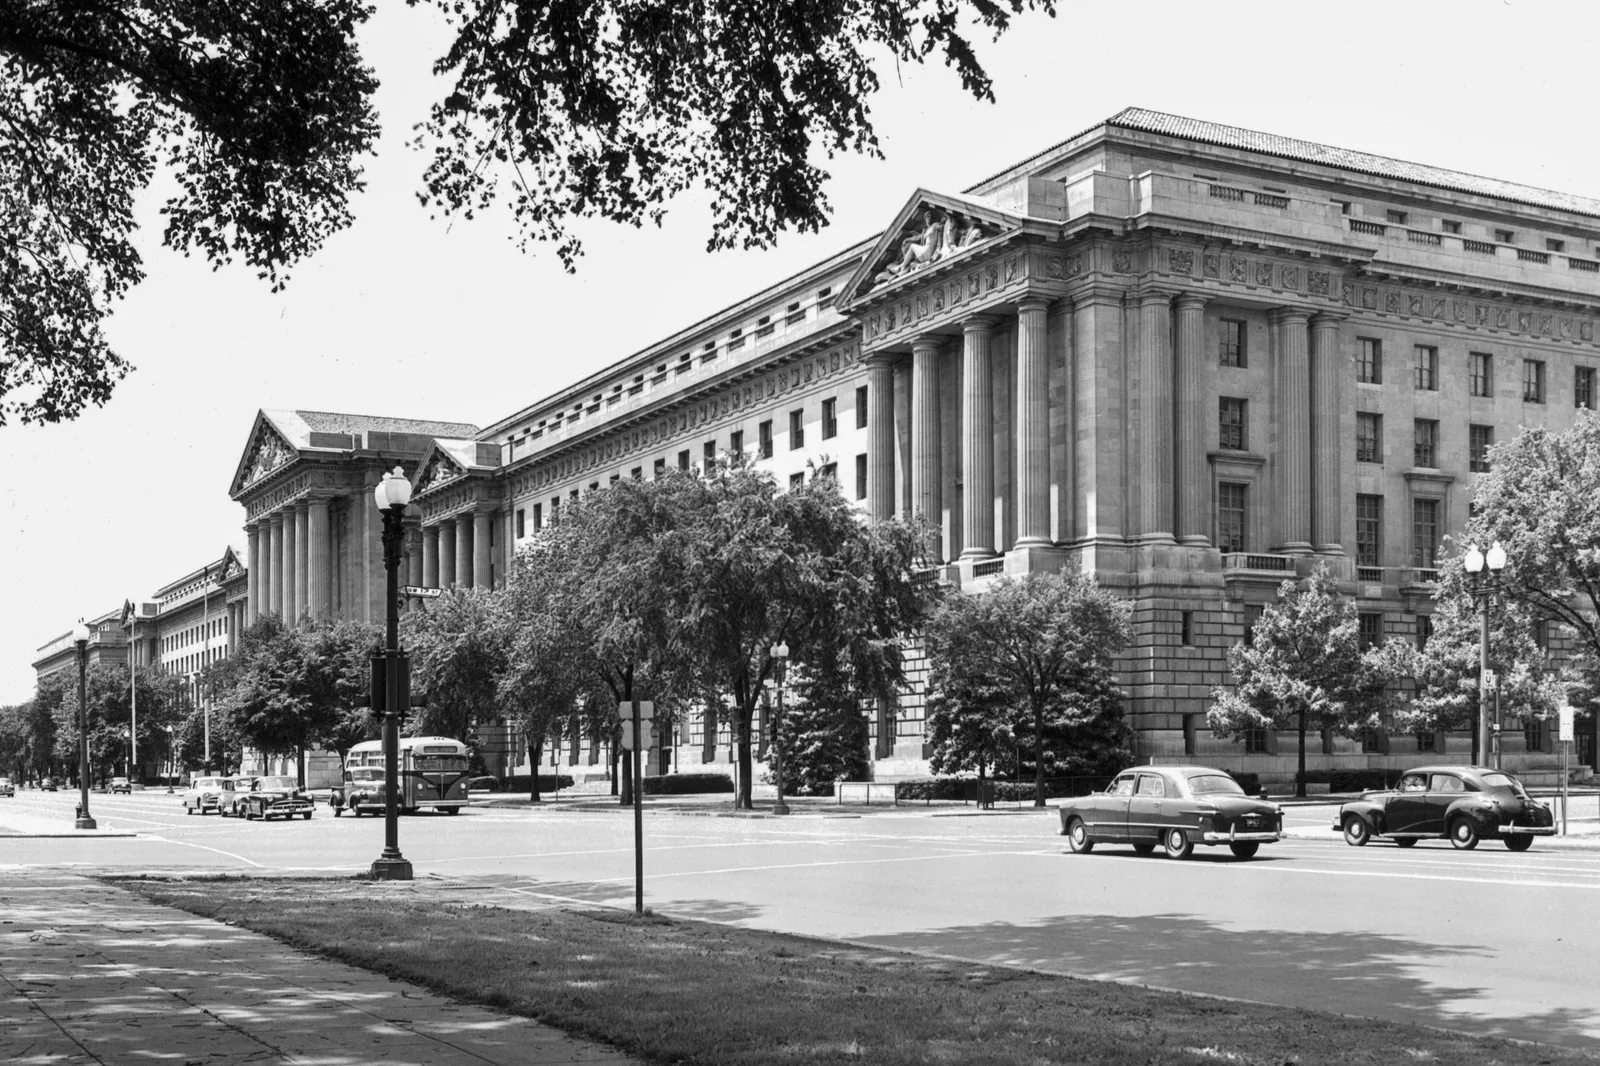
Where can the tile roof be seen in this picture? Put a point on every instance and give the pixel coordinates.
(330, 422)
(1158, 122)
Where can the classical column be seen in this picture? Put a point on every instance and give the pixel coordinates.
(481, 554)
(414, 556)
(319, 556)
(1294, 421)
(1032, 430)
(291, 607)
(1326, 449)
(1155, 417)
(447, 553)
(430, 557)
(977, 440)
(926, 472)
(1192, 474)
(302, 561)
(252, 557)
(464, 548)
(880, 436)
(274, 564)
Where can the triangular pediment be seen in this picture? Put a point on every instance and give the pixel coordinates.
(931, 229)
(267, 450)
(230, 567)
(437, 468)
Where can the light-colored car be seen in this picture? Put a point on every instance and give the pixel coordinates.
(274, 797)
(234, 790)
(6, 787)
(121, 784)
(202, 795)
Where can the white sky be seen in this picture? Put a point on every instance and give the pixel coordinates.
(406, 316)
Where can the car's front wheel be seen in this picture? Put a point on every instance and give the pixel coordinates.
(1518, 842)
(1078, 837)
(1245, 849)
(1178, 844)
(1463, 834)
(1356, 831)
(306, 815)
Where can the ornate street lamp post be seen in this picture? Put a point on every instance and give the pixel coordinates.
(1484, 589)
(172, 760)
(80, 637)
(392, 495)
(780, 660)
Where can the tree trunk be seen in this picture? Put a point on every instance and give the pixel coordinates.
(1038, 753)
(742, 715)
(1300, 774)
(300, 765)
(535, 756)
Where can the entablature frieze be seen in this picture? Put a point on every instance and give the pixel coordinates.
(1475, 313)
(473, 496)
(299, 486)
(724, 402)
(942, 298)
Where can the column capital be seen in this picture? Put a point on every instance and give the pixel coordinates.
(1190, 301)
(1103, 292)
(1325, 319)
(1034, 302)
(1286, 316)
(1146, 293)
(927, 341)
(978, 323)
(882, 358)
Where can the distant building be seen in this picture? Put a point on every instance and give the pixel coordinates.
(107, 645)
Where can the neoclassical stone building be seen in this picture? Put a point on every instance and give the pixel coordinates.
(1191, 359)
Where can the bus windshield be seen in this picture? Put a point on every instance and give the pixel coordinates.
(438, 763)
(367, 773)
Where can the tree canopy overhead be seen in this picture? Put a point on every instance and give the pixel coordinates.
(262, 111)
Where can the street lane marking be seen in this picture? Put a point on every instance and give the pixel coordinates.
(219, 851)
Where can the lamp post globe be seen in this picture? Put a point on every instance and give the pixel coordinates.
(780, 661)
(1473, 560)
(1496, 558)
(391, 494)
(80, 637)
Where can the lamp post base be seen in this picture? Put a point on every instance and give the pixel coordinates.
(85, 822)
(780, 808)
(395, 869)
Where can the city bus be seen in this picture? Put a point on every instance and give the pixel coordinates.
(433, 773)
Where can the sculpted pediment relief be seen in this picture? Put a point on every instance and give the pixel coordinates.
(268, 452)
(439, 470)
(930, 235)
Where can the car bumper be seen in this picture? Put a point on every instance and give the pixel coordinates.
(294, 807)
(1528, 830)
(1267, 835)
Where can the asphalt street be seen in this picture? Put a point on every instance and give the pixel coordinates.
(1485, 941)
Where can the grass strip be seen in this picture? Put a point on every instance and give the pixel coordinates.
(675, 991)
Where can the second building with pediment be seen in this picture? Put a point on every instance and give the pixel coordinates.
(1190, 359)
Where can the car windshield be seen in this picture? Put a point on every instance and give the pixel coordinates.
(1214, 784)
(1505, 781)
(275, 783)
(238, 784)
(206, 782)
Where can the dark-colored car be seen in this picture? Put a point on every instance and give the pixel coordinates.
(6, 787)
(1174, 806)
(47, 784)
(362, 791)
(121, 784)
(1463, 803)
(274, 797)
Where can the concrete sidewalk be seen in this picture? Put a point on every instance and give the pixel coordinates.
(91, 974)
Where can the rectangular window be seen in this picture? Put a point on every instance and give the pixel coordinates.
(1425, 447)
(1479, 440)
(709, 452)
(521, 529)
(538, 516)
(613, 480)
(1369, 437)
(1257, 741)
(1186, 628)
(1230, 517)
(829, 472)
(1369, 530)
(736, 442)
(637, 473)
(1482, 373)
(1427, 368)
(830, 419)
(1583, 387)
(1371, 629)
(555, 509)
(1233, 353)
(660, 468)
(796, 481)
(861, 477)
(764, 439)
(1397, 217)
(1369, 361)
(1505, 236)
(797, 429)
(1553, 245)
(1533, 381)
(683, 459)
(1424, 533)
(1230, 423)
(1424, 630)
(1450, 226)
(861, 407)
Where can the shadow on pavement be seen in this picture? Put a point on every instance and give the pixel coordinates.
(1368, 975)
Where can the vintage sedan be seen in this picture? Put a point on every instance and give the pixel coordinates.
(121, 784)
(47, 784)
(231, 793)
(362, 791)
(274, 797)
(1465, 804)
(6, 787)
(203, 794)
(1174, 806)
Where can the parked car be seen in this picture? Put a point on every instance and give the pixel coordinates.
(7, 788)
(273, 797)
(121, 784)
(47, 784)
(1174, 806)
(231, 794)
(1463, 803)
(362, 791)
(203, 794)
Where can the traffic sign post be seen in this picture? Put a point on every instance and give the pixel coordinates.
(418, 590)
(638, 736)
(1566, 736)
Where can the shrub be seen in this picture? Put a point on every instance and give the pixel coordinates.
(483, 784)
(547, 783)
(1248, 780)
(965, 789)
(687, 784)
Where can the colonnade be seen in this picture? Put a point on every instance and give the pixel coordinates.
(1161, 492)
(457, 552)
(289, 555)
